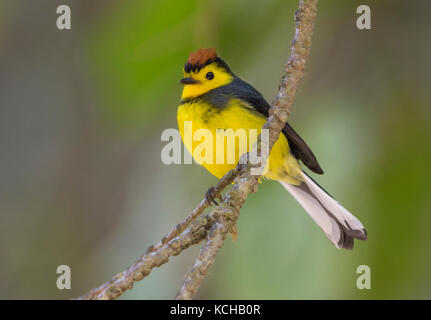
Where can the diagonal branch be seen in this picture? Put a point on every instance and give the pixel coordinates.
(194, 234)
(195, 276)
(124, 280)
(215, 226)
(247, 183)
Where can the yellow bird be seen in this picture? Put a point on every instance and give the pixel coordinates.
(215, 100)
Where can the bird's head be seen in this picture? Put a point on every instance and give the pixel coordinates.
(204, 71)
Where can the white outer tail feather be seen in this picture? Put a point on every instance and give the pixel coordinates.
(339, 225)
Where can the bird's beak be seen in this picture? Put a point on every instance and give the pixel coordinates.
(189, 80)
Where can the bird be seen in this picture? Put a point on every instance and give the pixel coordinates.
(215, 99)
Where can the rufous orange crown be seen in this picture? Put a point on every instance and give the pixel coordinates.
(202, 57)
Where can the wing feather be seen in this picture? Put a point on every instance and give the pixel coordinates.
(245, 91)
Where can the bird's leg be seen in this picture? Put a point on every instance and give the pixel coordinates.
(211, 195)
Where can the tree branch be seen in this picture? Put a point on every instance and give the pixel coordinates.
(195, 276)
(124, 280)
(215, 226)
(247, 183)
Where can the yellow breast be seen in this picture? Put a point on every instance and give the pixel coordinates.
(226, 125)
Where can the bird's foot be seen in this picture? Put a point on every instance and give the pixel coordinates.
(211, 195)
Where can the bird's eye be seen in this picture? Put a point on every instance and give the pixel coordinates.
(210, 75)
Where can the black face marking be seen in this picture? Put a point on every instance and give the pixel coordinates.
(210, 75)
(197, 67)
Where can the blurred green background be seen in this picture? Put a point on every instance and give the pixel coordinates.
(82, 111)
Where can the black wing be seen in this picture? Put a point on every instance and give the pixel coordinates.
(298, 147)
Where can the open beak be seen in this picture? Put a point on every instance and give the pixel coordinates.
(189, 80)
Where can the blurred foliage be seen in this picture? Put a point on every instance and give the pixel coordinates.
(81, 113)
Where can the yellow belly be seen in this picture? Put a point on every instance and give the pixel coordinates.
(219, 158)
